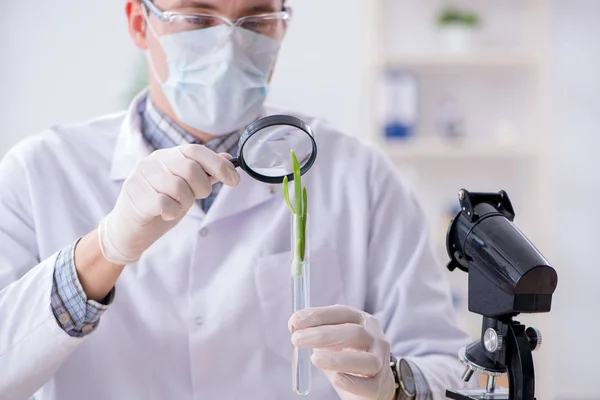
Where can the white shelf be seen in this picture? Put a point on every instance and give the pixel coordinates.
(478, 60)
(432, 148)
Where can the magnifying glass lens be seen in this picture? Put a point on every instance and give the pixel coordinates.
(268, 151)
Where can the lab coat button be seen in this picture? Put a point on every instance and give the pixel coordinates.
(87, 328)
(199, 321)
(204, 232)
(64, 318)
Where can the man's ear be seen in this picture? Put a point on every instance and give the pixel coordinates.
(136, 23)
(290, 11)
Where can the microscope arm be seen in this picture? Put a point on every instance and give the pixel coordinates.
(519, 360)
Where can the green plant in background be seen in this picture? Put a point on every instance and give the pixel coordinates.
(300, 212)
(452, 16)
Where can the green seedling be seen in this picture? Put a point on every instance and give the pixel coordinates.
(299, 210)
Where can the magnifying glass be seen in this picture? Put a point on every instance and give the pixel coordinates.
(266, 144)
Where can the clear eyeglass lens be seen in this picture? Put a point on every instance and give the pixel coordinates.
(270, 27)
(192, 23)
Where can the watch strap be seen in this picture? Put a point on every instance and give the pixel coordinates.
(394, 366)
(410, 384)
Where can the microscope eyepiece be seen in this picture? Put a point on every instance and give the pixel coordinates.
(507, 273)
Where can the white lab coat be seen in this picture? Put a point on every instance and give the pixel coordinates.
(203, 314)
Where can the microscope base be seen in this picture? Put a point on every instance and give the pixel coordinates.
(477, 394)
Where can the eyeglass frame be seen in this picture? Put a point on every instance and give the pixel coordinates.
(165, 16)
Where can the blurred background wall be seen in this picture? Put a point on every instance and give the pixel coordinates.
(501, 95)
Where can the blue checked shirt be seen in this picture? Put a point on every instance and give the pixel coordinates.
(77, 315)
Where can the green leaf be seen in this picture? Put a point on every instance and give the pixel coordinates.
(297, 184)
(300, 223)
(304, 221)
(300, 238)
(454, 16)
(286, 195)
(298, 204)
(305, 203)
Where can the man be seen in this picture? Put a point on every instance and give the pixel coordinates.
(137, 263)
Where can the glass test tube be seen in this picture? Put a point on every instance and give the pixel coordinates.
(301, 364)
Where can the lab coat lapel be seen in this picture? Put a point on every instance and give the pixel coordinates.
(248, 194)
(131, 146)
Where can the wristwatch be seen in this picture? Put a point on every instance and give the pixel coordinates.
(404, 377)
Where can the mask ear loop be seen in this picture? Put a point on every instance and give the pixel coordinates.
(148, 55)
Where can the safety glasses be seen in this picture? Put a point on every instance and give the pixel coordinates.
(272, 25)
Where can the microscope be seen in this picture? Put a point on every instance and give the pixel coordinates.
(507, 276)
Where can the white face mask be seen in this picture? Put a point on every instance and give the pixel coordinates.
(218, 76)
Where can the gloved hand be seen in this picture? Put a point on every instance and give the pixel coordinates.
(157, 195)
(350, 347)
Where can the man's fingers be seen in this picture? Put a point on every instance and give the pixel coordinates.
(350, 336)
(153, 192)
(331, 315)
(175, 194)
(191, 172)
(216, 166)
(169, 208)
(214, 180)
(349, 362)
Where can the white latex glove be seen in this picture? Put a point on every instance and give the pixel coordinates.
(157, 195)
(350, 347)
